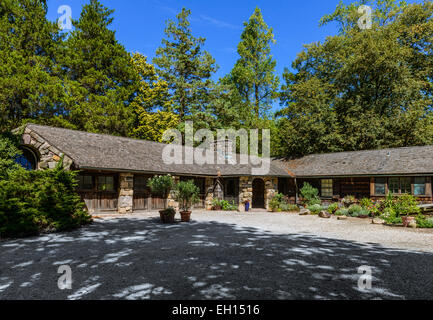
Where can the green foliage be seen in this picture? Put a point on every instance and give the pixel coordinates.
(364, 212)
(342, 212)
(390, 216)
(161, 185)
(254, 73)
(224, 205)
(366, 202)
(315, 208)
(274, 204)
(30, 87)
(187, 69)
(277, 200)
(100, 79)
(40, 201)
(406, 205)
(355, 210)
(424, 222)
(347, 201)
(151, 104)
(8, 151)
(333, 207)
(287, 207)
(310, 194)
(169, 211)
(186, 193)
(348, 92)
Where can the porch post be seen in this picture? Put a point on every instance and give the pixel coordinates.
(126, 193)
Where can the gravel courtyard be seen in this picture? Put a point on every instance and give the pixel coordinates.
(219, 255)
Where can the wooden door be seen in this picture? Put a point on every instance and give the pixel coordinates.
(258, 194)
(99, 191)
(142, 194)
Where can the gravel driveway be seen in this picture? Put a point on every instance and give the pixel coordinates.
(221, 256)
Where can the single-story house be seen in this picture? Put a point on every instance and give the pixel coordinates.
(113, 171)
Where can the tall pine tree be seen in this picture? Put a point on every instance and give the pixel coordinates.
(30, 89)
(187, 68)
(254, 73)
(100, 76)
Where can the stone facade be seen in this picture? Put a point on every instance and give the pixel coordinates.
(271, 188)
(48, 155)
(246, 190)
(209, 184)
(126, 193)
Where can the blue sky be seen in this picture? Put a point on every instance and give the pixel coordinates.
(139, 24)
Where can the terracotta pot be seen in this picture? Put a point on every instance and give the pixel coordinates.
(166, 218)
(185, 216)
(407, 220)
(217, 208)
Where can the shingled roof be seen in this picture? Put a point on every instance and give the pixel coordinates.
(106, 152)
(399, 161)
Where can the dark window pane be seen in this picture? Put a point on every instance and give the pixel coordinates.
(140, 183)
(230, 188)
(106, 183)
(379, 186)
(327, 190)
(405, 185)
(419, 186)
(85, 182)
(394, 185)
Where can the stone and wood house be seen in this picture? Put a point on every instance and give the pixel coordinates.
(113, 172)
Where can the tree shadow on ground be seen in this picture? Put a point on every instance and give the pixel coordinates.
(143, 259)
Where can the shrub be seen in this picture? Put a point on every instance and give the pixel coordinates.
(333, 207)
(342, 212)
(224, 205)
(289, 207)
(348, 201)
(39, 201)
(406, 204)
(364, 212)
(186, 193)
(274, 204)
(310, 194)
(366, 203)
(161, 185)
(168, 211)
(423, 222)
(315, 208)
(390, 216)
(355, 210)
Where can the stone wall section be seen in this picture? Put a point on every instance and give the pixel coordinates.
(48, 155)
(126, 193)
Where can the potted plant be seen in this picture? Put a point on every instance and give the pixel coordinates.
(186, 193)
(167, 215)
(216, 205)
(407, 205)
(163, 185)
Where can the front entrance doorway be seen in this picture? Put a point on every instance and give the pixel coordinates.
(258, 194)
